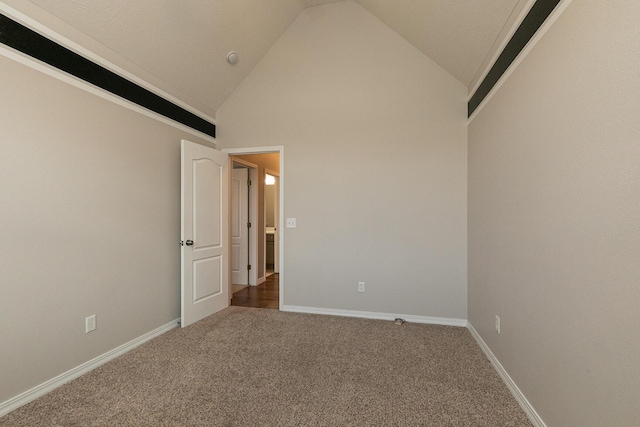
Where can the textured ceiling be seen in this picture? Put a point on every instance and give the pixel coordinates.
(457, 34)
(185, 42)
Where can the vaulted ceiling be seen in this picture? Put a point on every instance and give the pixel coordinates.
(185, 42)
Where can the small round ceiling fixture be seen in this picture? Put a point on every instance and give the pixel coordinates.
(232, 58)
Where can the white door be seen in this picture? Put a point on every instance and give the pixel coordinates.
(239, 229)
(205, 219)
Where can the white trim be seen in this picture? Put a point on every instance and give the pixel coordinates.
(376, 315)
(92, 56)
(94, 90)
(279, 149)
(52, 384)
(560, 8)
(505, 40)
(281, 225)
(526, 406)
(278, 230)
(255, 150)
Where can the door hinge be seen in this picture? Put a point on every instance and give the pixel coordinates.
(249, 267)
(249, 183)
(248, 225)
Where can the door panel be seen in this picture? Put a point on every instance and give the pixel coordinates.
(239, 230)
(204, 256)
(206, 278)
(206, 204)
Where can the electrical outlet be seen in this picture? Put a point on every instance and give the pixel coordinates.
(360, 286)
(291, 223)
(90, 324)
(497, 324)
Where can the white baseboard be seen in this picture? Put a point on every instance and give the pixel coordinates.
(50, 385)
(511, 385)
(376, 315)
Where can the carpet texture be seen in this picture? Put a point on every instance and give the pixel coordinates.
(259, 367)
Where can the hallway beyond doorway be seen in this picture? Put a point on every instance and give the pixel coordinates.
(265, 295)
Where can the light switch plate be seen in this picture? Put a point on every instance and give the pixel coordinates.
(291, 223)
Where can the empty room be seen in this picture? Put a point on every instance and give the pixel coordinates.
(456, 238)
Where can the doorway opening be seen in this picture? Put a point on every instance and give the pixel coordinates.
(265, 250)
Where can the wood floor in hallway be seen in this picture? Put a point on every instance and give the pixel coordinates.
(265, 295)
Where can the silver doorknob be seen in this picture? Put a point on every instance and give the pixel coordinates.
(189, 242)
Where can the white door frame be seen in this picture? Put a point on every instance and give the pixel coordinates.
(276, 213)
(278, 149)
(253, 218)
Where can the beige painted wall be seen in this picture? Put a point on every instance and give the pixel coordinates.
(264, 160)
(374, 164)
(90, 224)
(554, 219)
(269, 203)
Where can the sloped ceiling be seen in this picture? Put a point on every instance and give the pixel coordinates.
(185, 42)
(457, 34)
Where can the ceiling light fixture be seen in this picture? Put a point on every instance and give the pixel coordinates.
(232, 58)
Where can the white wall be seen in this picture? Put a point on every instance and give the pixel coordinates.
(90, 224)
(554, 219)
(375, 164)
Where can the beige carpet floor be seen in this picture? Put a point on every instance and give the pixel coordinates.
(260, 367)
